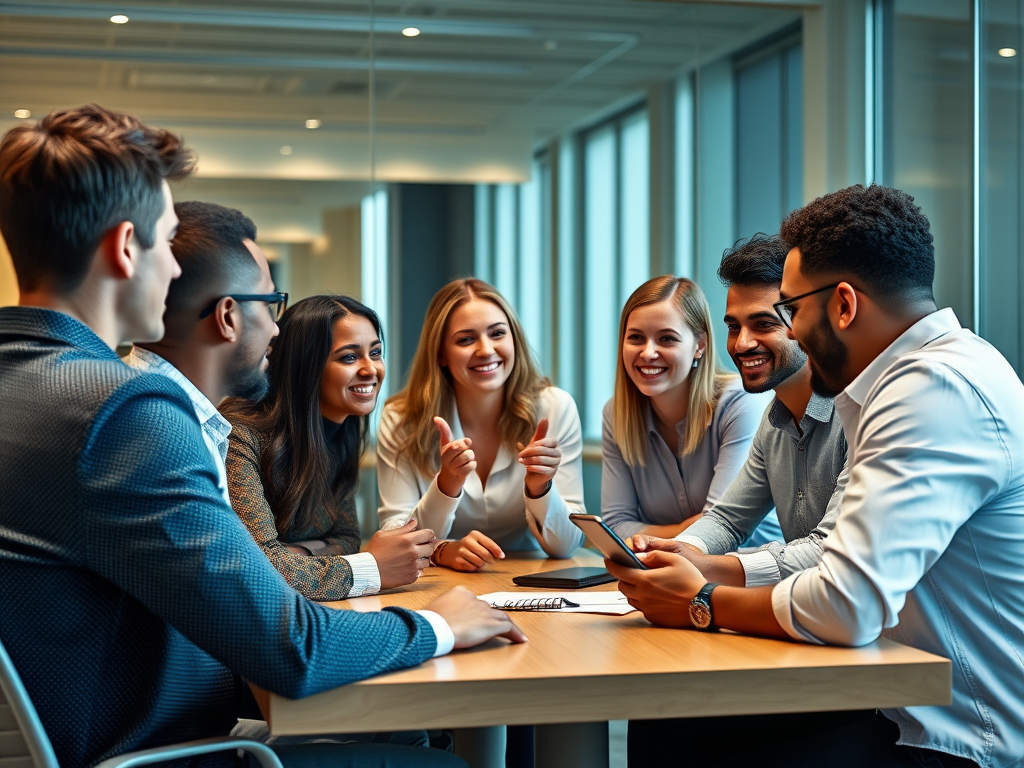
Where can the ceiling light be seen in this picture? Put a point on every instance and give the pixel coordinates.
(1007, 53)
(313, 124)
(22, 114)
(410, 32)
(118, 18)
(286, 150)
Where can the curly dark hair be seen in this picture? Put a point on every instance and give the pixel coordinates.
(876, 235)
(756, 260)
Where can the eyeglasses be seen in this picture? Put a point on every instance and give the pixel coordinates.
(784, 308)
(277, 303)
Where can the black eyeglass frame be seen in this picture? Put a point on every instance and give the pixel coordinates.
(280, 298)
(778, 306)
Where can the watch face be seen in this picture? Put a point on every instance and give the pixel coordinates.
(700, 615)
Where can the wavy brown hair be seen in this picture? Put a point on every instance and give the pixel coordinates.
(429, 391)
(707, 380)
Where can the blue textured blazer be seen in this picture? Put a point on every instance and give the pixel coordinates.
(131, 596)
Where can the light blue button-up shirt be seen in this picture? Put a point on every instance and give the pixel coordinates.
(928, 548)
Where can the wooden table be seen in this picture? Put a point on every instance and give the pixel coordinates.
(582, 668)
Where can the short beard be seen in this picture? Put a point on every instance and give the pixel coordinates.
(250, 382)
(829, 358)
(787, 361)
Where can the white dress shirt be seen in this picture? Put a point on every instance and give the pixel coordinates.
(928, 548)
(502, 510)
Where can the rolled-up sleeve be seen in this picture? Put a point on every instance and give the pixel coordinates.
(799, 554)
(928, 454)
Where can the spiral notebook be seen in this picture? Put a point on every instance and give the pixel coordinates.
(612, 603)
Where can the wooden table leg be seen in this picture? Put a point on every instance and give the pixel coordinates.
(481, 747)
(572, 745)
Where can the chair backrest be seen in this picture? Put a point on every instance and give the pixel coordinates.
(23, 742)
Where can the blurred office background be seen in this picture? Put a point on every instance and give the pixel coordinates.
(565, 150)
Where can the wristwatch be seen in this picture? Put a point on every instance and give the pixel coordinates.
(700, 608)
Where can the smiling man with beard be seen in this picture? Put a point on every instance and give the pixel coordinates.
(798, 454)
(220, 318)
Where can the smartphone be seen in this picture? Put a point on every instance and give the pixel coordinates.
(607, 543)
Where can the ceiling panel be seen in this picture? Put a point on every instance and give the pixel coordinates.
(514, 71)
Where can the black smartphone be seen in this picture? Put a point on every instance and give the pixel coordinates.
(606, 541)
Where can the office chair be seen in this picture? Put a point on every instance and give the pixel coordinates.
(24, 743)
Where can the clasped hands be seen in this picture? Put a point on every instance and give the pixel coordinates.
(664, 591)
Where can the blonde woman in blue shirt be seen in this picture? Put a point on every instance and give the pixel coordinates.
(679, 427)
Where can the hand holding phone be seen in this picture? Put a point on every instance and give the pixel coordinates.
(606, 541)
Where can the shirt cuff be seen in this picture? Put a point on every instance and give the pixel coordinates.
(538, 508)
(443, 632)
(759, 567)
(699, 543)
(365, 575)
(782, 606)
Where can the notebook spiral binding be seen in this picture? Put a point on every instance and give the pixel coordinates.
(537, 604)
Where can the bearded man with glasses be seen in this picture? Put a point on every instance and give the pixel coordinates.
(217, 328)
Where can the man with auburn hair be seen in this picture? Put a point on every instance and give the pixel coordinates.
(929, 541)
(133, 596)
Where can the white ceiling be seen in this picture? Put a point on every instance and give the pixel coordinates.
(467, 100)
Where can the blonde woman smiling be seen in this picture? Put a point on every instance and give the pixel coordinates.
(479, 447)
(679, 428)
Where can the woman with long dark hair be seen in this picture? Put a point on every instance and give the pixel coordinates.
(293, 461)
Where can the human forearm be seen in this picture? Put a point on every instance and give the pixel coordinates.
(746, 610)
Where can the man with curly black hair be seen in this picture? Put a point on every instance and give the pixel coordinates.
(929, 541)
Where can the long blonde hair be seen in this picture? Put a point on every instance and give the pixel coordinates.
(707, 380)
(429, 391)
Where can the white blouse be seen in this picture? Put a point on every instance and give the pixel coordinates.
(502, 511)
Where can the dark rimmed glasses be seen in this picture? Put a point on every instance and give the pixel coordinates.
(277, 302)
(784, 308)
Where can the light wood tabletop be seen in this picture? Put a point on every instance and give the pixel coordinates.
(584, 667)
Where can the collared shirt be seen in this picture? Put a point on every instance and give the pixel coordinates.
(215, 427)
(929, 544)
(502, 510)
(133, 597)
(800, 472)
(670, 488)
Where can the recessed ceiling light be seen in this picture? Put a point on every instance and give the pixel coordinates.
(410, 32)
(286, 150)
(1007, 53)
(22, 114)
(313, 124)
(118, 18)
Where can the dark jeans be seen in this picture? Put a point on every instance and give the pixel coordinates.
(813, 740)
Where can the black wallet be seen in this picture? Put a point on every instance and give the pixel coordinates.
(565, 578)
